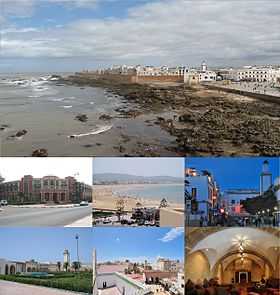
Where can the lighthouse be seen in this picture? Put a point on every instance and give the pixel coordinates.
(265, 178)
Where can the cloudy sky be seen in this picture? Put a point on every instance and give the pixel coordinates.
(67, 35)
(15, 168)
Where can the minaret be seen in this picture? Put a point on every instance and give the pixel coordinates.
(66, 256)
(265, 178)
(94, 273)
(203, 67)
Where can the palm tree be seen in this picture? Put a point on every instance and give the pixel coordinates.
(76, 265)
(66, 265)
(58, 264)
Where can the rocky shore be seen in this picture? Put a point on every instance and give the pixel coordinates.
(203, 121)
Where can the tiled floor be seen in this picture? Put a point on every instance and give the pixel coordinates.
(10, 288)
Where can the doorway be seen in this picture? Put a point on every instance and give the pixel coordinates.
(242, 277)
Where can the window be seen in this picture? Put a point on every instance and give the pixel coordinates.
(232, 202)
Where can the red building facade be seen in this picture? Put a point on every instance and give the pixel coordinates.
(48, 189)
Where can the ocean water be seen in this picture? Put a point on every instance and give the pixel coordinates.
(171, 192)
(47, 111)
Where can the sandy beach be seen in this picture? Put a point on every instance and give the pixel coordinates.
(104, 197)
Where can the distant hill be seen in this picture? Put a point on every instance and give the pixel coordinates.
(116, 178)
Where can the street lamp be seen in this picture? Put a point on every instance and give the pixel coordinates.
(78, 260)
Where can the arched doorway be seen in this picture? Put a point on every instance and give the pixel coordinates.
(6, 269)
(28, 269)
(231, 268)
(104, 285)
(55, 198)
(12, 270)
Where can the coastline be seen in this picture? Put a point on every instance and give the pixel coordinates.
(202, 121)
(104, 197)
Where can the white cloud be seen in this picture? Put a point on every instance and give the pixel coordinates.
(166, 32)
(173, 234)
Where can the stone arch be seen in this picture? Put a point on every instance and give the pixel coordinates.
(277, 268)
(215, 271)
(33, 269)
(29, 269)
(12, 269)
(6, 269)
(197, 266)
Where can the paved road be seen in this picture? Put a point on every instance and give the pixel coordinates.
(11, 288)
(11, 216)
(254, 87)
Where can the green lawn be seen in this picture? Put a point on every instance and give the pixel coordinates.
(79, 282)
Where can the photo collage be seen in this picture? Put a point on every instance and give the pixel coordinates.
(139, 147)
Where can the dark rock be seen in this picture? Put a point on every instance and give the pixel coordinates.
(40, 153)
(82, 118)
(21, 133)
(186, 118)
(121, 149)
(105, 117)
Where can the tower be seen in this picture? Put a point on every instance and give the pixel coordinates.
(265, 178)
(204, 67)
(94, 273)
(66, 256)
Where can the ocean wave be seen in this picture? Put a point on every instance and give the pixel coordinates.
(63, 98)
(92, 132)
(67, 107)
(34, 96)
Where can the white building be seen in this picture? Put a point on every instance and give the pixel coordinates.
(205, 75)
(164, 264)
(199, 76)
(203, 192)
(180, 284)
(256, 74)
(161, 71)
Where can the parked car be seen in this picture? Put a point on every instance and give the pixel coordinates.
(84, 203)
(3, 202)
